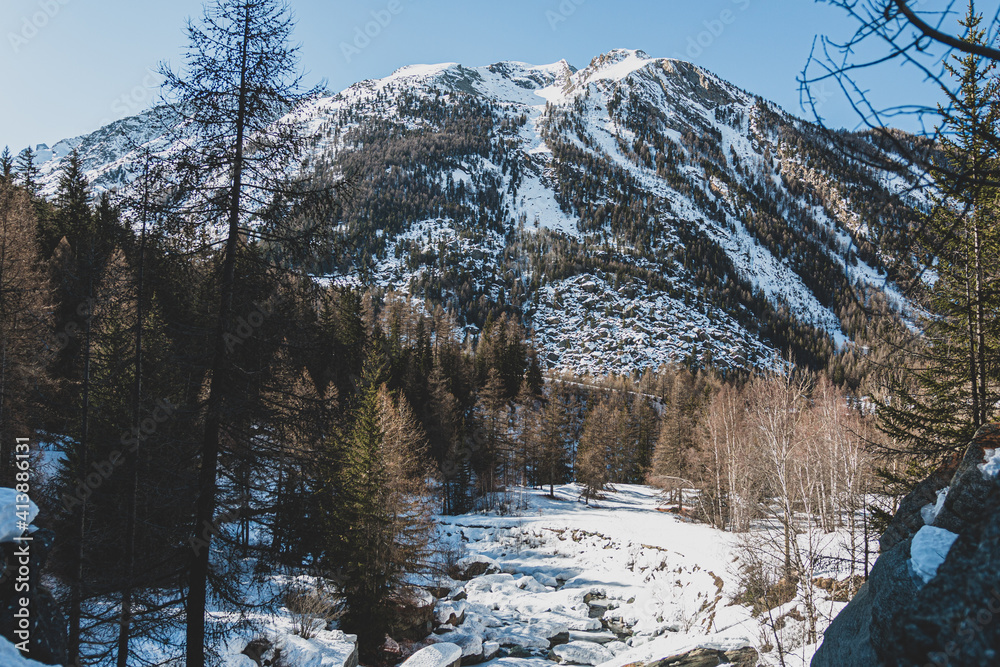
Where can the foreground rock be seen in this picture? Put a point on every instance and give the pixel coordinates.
(710, 657)
(933, 599)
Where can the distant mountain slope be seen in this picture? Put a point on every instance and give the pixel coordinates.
(634, 212)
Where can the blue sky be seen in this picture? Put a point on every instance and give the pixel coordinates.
(67, 66)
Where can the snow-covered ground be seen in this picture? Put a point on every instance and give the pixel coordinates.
(665, 585)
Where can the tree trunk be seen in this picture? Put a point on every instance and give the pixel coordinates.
(125, 618)
(205, 506)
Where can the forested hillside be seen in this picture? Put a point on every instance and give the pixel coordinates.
(637, 212)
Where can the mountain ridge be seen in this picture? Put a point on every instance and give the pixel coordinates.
(635, 212)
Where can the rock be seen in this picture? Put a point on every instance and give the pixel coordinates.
(470, 643)
(955, 618)
(390, 652)
(617, 647)
(490, 650)
(257, 649)
(553, 631)
(908, 520)
(546, 580)
(517, 637)
(470, 567)
(436, 655)
(596, 637)
(415, 619)
(853, 621)
(710, 657)
(963, 508)
(531, 585)
(451, 613)
(896, 618)
(581, 653)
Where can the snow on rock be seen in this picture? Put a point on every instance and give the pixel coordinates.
(596, 637)
(991, 463)
(11, 657)
(928, 550)
(451, 612)
(476, 565)
(436, 655)
(929, 512)
(9, 519)
(469, 642)
(581, 653)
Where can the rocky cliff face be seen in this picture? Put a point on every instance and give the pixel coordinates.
(933, 597)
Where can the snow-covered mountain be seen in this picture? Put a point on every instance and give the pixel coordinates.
(634, 212)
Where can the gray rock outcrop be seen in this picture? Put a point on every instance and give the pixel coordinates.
(897, 619)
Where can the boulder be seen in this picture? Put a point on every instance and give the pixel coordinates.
(416, 617)
(581, 653)
(908, 518)
(490, 650)
(918, 608)
(470, 643)
(436, 655)
(710, 657)
(473, 566)
(518, 638)
(451, 612)
(595, 637)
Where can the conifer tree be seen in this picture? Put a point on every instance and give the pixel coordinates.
(27, 171)
(380, 510)
(555, 438)
(594, 452)
(24, 319)
(240, 78)
(6, 165)
(950, 386)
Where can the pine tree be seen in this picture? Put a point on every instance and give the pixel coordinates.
(240, 78)
(27, 171)
(6, 165)
(949, 386)
(380, 511)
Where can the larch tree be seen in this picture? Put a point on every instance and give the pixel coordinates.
(380, 512)
(24, 319)
(240, 78)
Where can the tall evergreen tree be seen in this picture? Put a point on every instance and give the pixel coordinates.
(27, 171)
(951, 385)
(240, 77)
(6, 165)
(380, 511)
